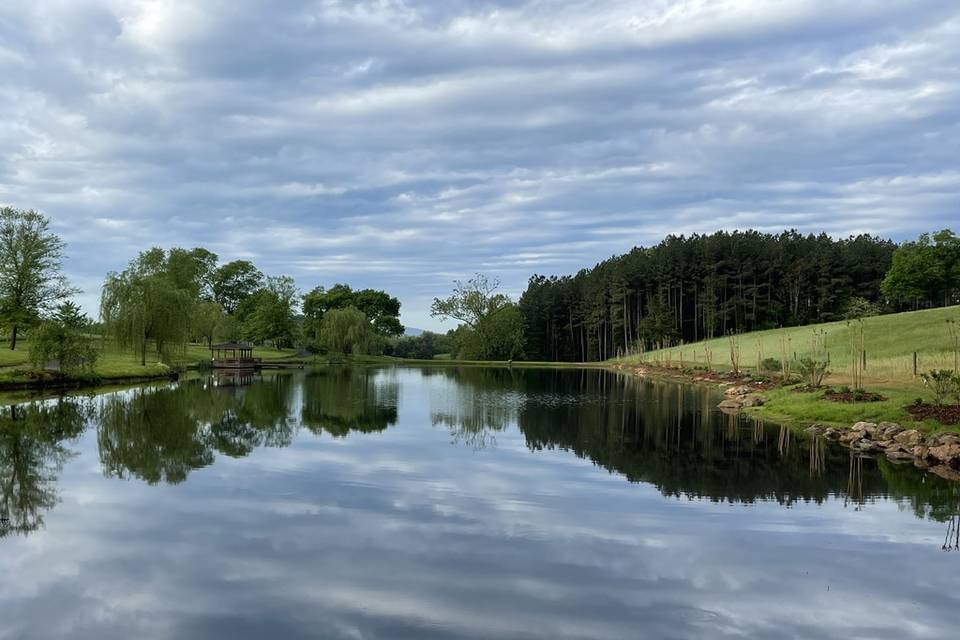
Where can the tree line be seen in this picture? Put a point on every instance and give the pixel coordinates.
(166, 298)
(691, 288)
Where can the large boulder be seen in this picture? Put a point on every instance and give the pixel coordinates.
(910, 438)
(948, 454)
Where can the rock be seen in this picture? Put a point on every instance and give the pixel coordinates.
(831, 433)
(850, 436)
(921, 463)
(731, 404)
(899, 456)
(948, 454)
(920, 452)
(867, 427)
(867, 446)
(754, 401)
(948, 438)
(890, 429)
(910, 438)
(946, 472)
(738, 391)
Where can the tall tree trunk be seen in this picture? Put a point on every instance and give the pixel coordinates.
(13, 338)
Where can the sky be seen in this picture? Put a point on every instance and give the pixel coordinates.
(403, 144)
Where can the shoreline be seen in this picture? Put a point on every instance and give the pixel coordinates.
(936, 451)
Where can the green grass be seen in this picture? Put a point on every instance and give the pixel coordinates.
(890, 343)
(788, 406)
(119, 364)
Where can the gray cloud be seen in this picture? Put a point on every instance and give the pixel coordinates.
(403, 144)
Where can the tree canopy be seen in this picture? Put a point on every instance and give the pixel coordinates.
(492, 325)
(690, 288)
(926, 272)
(381, 309)
(31, 279)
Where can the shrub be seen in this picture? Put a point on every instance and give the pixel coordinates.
(814, 371)
(772, 365)
(65, 344)
(943, 383)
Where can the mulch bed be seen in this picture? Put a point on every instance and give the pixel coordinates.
(853, 396)
(946, 414)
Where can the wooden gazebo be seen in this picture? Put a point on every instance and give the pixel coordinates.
(233, 355)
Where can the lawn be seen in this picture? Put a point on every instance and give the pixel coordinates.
(117, 364)
(890, 343)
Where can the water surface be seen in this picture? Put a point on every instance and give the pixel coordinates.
(456, 503)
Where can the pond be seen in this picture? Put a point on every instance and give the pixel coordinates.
(456, 503)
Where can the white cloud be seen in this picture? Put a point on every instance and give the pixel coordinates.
(367, 141)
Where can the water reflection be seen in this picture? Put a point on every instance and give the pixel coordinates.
(34, 446)
(334, 505)
(663, 435)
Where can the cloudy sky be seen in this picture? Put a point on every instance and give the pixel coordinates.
(403, 143)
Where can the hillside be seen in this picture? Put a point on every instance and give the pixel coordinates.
(890, 343)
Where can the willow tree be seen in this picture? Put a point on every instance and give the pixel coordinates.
(31, 281)
(347, 331)
(142, 305)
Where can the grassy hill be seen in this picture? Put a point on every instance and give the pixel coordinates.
(890, 342)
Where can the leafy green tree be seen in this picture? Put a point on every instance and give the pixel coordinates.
(423, 347)
(347, 331)
(235, 282)
(31, 281)
(478, 305)
(192, 270)
(381, 309)
(269, 313)
(917, 273)
(144, 303)
(209, 321)
(65, 339)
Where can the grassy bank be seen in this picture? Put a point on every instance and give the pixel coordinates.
(890, 343)
(113, 365)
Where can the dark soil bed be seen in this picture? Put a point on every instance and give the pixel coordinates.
(853, 396)
(946, 414)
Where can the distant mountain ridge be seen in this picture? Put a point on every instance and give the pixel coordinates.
(412, 331)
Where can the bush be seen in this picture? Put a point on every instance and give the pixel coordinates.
(772, 365)
(814, 371)
(70, 347)
(943, 383)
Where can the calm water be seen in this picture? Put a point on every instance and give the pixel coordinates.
(455, 503)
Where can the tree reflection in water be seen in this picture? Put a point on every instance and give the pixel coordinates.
(34, 440)
(668, 436)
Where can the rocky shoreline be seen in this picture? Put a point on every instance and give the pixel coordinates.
(938, 453)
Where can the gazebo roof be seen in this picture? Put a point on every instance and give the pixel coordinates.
(236, 346)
